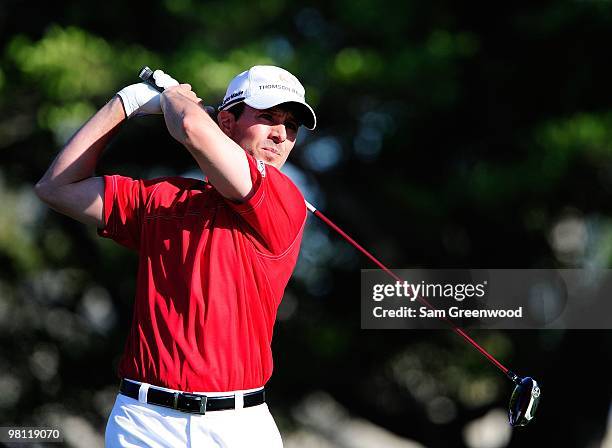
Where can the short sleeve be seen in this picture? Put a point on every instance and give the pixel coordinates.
(276, 210)
(124, 203)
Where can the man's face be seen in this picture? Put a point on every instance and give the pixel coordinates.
(268, 135)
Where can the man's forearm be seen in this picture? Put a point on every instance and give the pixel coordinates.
(78, 159)
(219, 157)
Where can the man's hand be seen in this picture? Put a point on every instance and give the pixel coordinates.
(176, 103)
(142, 99)
(183, 90)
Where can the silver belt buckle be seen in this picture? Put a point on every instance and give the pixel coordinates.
(203, 401)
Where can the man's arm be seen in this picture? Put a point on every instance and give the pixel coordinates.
(68, 185)
(222, 160)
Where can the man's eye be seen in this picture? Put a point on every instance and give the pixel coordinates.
(292, 126)
(266, 116)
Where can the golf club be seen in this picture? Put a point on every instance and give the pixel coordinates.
(526, 394)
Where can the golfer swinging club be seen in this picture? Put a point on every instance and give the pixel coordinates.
(214, 256)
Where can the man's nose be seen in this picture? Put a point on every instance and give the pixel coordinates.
(278, 133)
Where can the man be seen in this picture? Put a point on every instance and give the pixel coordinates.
(214, 256)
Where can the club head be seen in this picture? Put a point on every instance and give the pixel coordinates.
(524, 401)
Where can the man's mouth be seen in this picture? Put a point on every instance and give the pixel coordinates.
(273, 150)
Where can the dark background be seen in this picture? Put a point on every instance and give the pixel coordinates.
(450, 135)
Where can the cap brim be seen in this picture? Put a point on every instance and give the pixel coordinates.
(307, 116)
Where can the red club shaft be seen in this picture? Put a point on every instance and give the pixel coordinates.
(455, 328)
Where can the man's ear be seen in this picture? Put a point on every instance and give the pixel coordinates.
(226, 121)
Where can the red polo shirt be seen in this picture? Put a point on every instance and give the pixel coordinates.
(211, 276)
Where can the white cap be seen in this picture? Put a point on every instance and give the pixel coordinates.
(265, 86)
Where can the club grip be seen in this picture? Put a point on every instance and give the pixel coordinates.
(146, 74)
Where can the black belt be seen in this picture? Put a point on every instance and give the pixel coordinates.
(193, 403)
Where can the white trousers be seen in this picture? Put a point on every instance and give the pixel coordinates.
(135, 423)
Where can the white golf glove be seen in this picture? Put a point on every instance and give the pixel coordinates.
(142, 99)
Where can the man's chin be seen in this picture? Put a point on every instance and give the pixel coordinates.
(270, 157)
